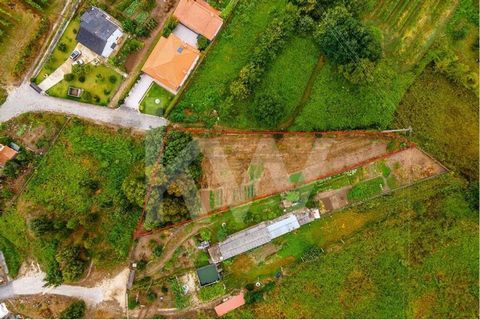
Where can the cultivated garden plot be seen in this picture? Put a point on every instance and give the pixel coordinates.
(238, 168)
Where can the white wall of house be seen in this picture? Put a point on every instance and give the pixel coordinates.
(107, 51)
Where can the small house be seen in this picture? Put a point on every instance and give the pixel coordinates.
(99, 32)
(6, 154)
(208, 275)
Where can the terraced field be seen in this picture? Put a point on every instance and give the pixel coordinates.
(410, 26)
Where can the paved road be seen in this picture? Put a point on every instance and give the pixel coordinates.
(24, 99)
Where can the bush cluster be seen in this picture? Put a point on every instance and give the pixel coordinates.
(271, 42)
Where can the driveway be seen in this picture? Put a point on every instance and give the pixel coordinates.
(138, 91)
(24, 99)
(57, 75)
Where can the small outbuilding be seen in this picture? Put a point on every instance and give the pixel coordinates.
(6, 154)
(199, 16)
(208, 275)
(229, 305)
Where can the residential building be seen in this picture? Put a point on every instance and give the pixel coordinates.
(199, 16)
(170, 62)
(99, 32)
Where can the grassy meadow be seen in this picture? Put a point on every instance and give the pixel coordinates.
(77, 186)
(411, 255)
(232, 49)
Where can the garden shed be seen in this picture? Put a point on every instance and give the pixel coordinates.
(208, 275)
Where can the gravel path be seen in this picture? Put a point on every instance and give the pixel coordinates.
(24, 99)
(113, 289)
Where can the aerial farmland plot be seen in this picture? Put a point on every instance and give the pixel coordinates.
(239, 159)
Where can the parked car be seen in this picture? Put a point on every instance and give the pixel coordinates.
(75, 54)
(78, 62)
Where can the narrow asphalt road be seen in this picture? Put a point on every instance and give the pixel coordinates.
(24, 99)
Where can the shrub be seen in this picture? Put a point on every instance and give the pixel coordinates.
(459, 34)
(268, 110)
(132, 303)
(3, 95)
(69, 77)
(87, 96)
(202, 42)
(76, 310)
(151, 297)
(343, 39)
(170, 25)
(112, 79)
(62, 47)
(157, 250)
(81, 78)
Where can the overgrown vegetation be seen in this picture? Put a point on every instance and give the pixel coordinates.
(418, 258)
(92, 220)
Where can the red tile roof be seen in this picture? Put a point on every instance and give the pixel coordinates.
(6, 153)
(199, 16)
(229, 305)
(170, 62)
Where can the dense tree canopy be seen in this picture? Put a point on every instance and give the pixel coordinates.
(343, 39)
(268, 109)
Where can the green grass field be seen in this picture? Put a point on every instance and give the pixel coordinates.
(232, 49)
(444, 118)
(78, 185)
(149, 103)
(97, 84)
(412, 255)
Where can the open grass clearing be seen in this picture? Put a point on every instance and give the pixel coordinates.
(232, 49)
(156, 100)
(444, 118)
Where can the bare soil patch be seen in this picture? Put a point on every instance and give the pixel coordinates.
(238, 168)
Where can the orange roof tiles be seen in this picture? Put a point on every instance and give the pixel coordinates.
(6, 153)
(229, 305)
(170, 62)
(199, 16)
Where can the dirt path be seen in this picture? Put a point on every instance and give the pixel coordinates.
(175, 241)
(306, 95)
(31, 283)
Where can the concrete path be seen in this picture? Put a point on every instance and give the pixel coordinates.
(113, 289)
(56, 76)
(24, 99)
(138, 91)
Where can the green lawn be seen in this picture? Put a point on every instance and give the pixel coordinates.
(231, 51)
(287, 78)
(97, 87)
(415, 257)
(149, 104)
(336, 104)
(444, 118)
(58, 57)
(366, 189)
